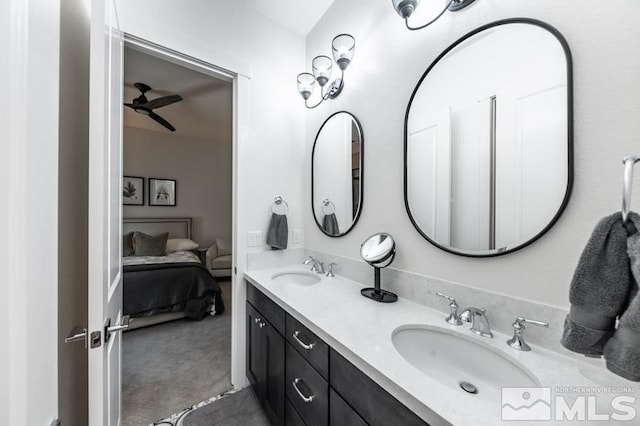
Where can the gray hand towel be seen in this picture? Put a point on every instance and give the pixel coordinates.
(600, 288)
(330, 224)
(278, 234)
(622, 351)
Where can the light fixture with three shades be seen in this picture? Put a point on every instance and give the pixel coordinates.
(342, 48)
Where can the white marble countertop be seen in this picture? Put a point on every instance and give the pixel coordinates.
(360, 330)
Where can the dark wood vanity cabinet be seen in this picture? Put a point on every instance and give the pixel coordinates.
(266, 364)
(302, 381)
(372, 403)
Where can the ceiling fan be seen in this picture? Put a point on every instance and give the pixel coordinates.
(143, 106)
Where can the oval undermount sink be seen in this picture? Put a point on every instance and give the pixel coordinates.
(296, 277)
(460, 362)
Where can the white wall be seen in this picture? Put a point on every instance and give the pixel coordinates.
(30, 48)
(270, 151)
(232, 35)
(202, 169)
(387, 64)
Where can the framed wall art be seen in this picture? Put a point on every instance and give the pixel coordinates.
(132, 191)
(162, 192)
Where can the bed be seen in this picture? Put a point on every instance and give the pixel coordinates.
(163, 288)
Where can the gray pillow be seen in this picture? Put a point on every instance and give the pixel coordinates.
(127, 244)
(145, 245)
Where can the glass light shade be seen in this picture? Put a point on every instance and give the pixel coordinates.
(306, 84)
(405, 7)
(343, 47)
(322, 69)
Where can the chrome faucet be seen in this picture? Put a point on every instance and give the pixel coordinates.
(517, 341)
(330, 271)
(479, 321)
(453, 317)
(316, 265)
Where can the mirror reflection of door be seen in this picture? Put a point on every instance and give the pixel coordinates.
(355, 169)
(487, 140)
(337, 174)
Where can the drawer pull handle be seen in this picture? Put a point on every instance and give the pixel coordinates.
(306, 399)
(301, 343)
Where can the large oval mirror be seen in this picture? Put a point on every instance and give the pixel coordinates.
(488, 140)
(336, 174)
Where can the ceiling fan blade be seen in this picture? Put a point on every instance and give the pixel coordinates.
(162, 121)
(163, 101)
(130, 105)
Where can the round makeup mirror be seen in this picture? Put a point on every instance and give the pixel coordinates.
(378, 250)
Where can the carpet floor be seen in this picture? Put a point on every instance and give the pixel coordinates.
(169, 367)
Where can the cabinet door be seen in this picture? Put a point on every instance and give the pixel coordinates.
(273, 347)
(255, 358)
(372, 403)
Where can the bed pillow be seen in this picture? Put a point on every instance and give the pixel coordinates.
(179, 244)
(127, 245)
(145, 245)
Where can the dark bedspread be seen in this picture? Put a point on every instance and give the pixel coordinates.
(170, 287)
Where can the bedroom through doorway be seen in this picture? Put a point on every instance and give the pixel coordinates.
(177, 235)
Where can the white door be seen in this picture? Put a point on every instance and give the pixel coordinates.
(105, 207)
(429, 163)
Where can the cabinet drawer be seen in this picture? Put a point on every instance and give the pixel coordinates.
(291, 417)
(375, 405)
(310, 346)
(306, 389)
(341, 414)
(267, 307)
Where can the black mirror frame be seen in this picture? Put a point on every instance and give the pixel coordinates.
(570, 169)
(313, 151)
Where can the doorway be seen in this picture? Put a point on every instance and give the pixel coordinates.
(190, 147)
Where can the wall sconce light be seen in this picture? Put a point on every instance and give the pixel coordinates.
(342, 48)
(405, 9)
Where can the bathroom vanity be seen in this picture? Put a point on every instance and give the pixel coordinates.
(300, 380)
(318, 353)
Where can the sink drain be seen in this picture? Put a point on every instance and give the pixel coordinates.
(468, 387)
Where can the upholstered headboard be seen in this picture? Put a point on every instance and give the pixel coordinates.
(177, 227)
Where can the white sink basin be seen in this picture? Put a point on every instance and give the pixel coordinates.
(296, 277)
(457, 360)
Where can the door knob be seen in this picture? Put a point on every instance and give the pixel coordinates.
(109, 329)
(77, 334)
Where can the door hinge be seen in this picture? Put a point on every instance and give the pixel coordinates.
(235, 270)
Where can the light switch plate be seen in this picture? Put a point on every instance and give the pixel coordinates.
(254, 238)
(295, 236)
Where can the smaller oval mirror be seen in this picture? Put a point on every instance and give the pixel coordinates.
(336, 174)
(378, 250)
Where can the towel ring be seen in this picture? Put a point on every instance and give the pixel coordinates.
(278, 201)
(628, 162)
(327, 203)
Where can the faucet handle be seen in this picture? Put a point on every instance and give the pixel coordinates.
(517, 341)
(330, 271)
(519, 322)
(453, 317)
